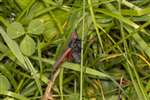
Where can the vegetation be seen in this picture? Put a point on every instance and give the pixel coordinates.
(115, 51)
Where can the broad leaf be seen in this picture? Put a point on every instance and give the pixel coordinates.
(27, 46)
(15, 30)
(36, 27)
(4, 83)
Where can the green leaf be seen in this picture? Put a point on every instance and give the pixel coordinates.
(13, 47)
(15, 30)
(4, 83)
(23, 3)
(27, 46)
(51, 31)
(36, 27)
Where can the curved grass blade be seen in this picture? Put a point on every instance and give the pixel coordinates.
(14, 95)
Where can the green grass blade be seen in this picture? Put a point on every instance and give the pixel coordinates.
(25, 10)
(14, 95)
(82, 46)
(61, 84)
(13, 47)
(95, 24)
(118, 16)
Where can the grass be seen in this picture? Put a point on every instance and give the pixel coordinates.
(114, 56)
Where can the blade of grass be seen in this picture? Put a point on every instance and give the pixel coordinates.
(82, 46)
(20, 85)
(143, 58)
(16, 71)
(34, 74)
(118, 16)
(61, 84)
(39, 55)
(131, 12)
(140, 18)
(95, 24)
(133, 81)
(25, 10)
(130, 5)
(44, 11)
(14, 95)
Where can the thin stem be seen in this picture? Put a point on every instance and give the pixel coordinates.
(82, 42)
(95, 24)
(39, 55)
